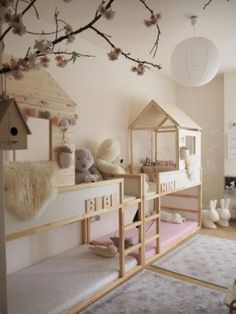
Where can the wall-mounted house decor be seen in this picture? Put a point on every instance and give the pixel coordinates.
(13, 127)
(39, 96)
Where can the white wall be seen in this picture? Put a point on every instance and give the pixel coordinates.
(109, 96)
(229, 118)
(205, 105)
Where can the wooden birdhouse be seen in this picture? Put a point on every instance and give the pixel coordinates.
(13, 128)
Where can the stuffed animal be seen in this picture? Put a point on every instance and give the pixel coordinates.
(128, 241)
(85, 171)
(192, 163)
(224, 213)
(104, 251)
(210, 216)
(108, 157)
(174, 218)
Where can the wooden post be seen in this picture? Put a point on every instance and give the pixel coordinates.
(122, 231)
(3, 272)
(131, 151)
(155, 145)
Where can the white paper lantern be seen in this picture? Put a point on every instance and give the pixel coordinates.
(195, 61)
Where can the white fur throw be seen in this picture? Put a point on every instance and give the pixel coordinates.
(28, 187)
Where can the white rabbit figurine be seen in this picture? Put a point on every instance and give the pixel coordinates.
(224, 213)
(210, 216)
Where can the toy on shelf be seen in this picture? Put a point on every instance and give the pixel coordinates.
(108, 157)
(85, 171)
(224, 213)
(210, 216)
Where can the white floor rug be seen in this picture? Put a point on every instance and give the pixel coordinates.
(149, 292)
(206, 258)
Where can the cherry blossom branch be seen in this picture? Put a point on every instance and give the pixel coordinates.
(146, 64)
(22, 13)
(153, 21)
(82, 29)
(34, 7)
(207, 3)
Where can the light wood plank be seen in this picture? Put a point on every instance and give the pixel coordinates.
(180, 209)
(150, 239)
(133, 248)
(152, 217)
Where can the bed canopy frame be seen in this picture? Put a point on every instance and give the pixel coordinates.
(163, 118)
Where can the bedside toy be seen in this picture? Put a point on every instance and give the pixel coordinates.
(192, 163)
(224, 213)
(108, 157)
(85, 171)
(128, 241)
(173, 218)
(105, 251)
(210, 216)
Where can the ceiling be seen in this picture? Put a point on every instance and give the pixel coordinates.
(217, 22)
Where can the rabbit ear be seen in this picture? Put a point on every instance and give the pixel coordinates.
(211, 205)
(222, 203)
(214, 204)
(227, 202)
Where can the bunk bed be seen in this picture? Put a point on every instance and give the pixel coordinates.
(72, 280)
(166, 134)
(76, 276)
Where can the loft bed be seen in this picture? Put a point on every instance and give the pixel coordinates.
(77, 277)
(162, 132)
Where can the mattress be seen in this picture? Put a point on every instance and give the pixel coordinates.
(56, 284)
(169, 233)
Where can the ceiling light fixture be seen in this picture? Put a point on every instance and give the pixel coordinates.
(194, 61)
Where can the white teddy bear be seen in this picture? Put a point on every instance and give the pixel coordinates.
(108, 157)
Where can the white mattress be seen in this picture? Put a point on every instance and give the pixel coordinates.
(56, 284)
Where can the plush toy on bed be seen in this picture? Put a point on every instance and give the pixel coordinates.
(104, 251)
(173, 218)
(85, 171)
(108, 157)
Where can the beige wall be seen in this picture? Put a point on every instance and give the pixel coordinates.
(205, 105)
(109, 97)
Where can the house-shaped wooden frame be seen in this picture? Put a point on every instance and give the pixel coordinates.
(13, 127)
(167, 118)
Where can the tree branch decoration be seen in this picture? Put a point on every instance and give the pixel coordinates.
(207, 3)
(44, 49)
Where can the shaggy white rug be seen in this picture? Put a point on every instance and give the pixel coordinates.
(206, 258)
(149, 292)
(28, 187)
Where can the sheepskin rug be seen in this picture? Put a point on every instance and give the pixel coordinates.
(28, 187)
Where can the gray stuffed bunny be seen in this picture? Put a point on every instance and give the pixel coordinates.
(85, 171)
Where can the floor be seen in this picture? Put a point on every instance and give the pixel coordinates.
(227, 233)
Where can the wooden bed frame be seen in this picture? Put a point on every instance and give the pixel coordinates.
(127, 185)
